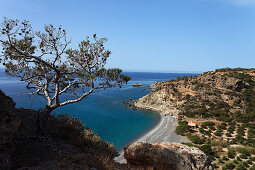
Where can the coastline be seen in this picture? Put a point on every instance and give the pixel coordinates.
(163, 131)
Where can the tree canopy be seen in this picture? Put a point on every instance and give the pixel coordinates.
(44, 60)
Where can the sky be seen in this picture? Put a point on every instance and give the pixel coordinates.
(153, 35)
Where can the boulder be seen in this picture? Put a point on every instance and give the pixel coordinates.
(166, 156)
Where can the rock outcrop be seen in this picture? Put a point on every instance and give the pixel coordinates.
(166, 156)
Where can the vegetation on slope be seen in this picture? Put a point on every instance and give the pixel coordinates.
(222, 103)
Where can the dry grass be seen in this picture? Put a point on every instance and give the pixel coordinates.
(73, 131)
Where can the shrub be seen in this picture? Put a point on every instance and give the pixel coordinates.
(236, 161)
(246, 150)
(215, 166)
(208, 123)
(253, 167)
(243, 156)
(207, 149)
(231, 154)
(230, 166)
(181, 128)
(218, 133)
(225, 158)
(249, 162)
(220, 143)
(241, 167)
(220, 160)
(195, 139)
(245, 164)
(228, 135)
(189, 144)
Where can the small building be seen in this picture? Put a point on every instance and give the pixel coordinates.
(192, 124)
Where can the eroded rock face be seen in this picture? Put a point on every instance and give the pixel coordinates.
(166, 156)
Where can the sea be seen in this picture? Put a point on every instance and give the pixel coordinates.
(104, 111)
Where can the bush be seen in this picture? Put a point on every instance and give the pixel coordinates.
(228, 135)
(246, 150)
(220, 161)
(181, 128)
(208, 123)
(243, 156)
(230, 166)
(253, 167)
(231, 154)
(225, 158)
(218, 133)
(215, 166)
(236, 161)
(241, 167)
(245, 164)
(195, 139)
(249, 162)
(189, 144)
(207, 149)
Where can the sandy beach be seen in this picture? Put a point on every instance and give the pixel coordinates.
(164, 131)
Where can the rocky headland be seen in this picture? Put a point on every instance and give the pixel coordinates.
(201, 95)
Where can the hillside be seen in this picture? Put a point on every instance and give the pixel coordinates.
(224, 94)
(222, 105)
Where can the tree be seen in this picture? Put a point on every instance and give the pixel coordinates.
(50, 68)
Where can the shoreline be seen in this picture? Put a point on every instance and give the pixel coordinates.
(162, 131)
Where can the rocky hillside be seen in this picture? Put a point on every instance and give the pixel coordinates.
(224, 94)
(65, 144)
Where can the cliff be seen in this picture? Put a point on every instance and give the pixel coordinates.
(222, 94)
(166, 156)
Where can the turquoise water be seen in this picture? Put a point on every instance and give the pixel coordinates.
(103, 111)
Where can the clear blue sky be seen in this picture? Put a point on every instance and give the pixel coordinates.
(153, 35)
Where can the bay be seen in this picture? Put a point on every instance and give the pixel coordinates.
(103, 111)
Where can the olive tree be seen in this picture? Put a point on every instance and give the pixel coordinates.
(50, 68)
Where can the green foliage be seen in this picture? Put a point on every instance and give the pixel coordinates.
(215, 166)
(253, 167)
(238, 158)
(195, 139)
(207, 149)
(189, 144)
(208, 123)
(218, 133)
(241, 167)
(236, 161)
(181, 128)
(225, 158)
(230, 165)
(231, 154)
(220, 161)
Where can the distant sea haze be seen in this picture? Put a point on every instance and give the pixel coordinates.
(104, 111)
